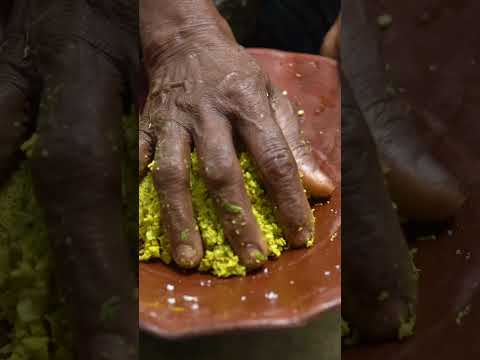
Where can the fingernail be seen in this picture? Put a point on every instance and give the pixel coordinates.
(186, 255)
(302, 237)
(316, 182)
(255, 258)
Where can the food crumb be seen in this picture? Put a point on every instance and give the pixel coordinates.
(407, 328)
(272, 296)
(384, 21)
(384, 295)
(462, 314)
(427, 238)
(171, 301)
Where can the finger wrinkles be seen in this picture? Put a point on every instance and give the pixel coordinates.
(12, 76)
(278, 163)
(220, 169)
(244, 88)
(145, 151)
(170, 173)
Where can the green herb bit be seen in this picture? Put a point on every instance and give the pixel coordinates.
(184, 236)
(232, 208)
(110, 309)
(384, 295)
(260, 257)
(462, 314)
(151, 165)
(407, 328)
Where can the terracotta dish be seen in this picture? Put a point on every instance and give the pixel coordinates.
(301, 284)
(446, 84)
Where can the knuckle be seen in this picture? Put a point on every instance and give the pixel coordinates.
(12, 80)
(246, 86)
(170, 172)
(219, 170)
(278, 163)
(187, 102)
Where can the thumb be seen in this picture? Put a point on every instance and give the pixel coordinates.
(316, 182)
(331, 44)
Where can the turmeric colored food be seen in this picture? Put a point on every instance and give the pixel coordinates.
(30, 310)
(219, 258)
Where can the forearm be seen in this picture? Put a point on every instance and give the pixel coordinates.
(168, 24)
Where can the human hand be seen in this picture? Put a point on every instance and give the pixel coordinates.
(378, 276)
(65, 71)
(206, 91)
(421, 186)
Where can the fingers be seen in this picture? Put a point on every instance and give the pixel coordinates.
(14, 116)
(317, 183)
(145, 149)
(378, 280)
(277, 167)
(422, 188)
(331, 44)
(221, 170)
(17, 102)
(171, 174)
(77, 174)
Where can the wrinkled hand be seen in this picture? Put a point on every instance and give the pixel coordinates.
(378, 279)
(208, 92)
(331, 43)
(384, 160)
(66, 79)
(422, 187)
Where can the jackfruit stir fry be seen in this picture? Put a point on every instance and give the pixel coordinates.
(219, 258)
(33, 319)
(32, 315)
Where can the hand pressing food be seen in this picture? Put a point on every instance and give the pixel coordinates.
(377, 284)
(32, 316)
(66, 68)
(378, 277)
(34, 321)
(422, 188)
(207, 93)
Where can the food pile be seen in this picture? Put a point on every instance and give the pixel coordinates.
(33, 320)
(32, 317)
(219, 258)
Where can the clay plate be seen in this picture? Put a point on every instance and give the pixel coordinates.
(307, 282)
(450, 265)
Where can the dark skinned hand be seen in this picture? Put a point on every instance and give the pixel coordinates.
(379, 135)
(378, 280)
(421, 186)
(65, 70)
(206, 91)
